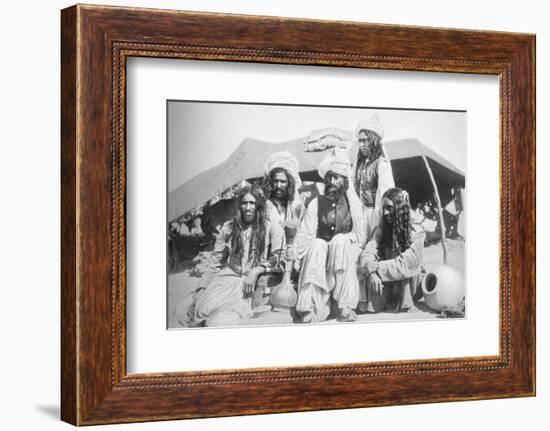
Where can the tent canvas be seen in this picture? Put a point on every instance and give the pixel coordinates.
(247, 162)
(410, 172)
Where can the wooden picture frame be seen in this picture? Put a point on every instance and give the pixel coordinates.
(95, 43)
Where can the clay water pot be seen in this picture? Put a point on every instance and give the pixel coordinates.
(443, 288)
(283, 296)
(261, 299)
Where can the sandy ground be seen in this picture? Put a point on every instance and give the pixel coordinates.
(180, 285)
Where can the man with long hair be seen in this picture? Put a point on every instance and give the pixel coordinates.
(281, 184)
(392, 261)
(245, 248)
(328, 245)
(372, 172)
(372, 176)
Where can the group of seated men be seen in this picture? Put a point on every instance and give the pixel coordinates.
(354, 251)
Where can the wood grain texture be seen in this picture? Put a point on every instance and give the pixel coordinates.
(68, 218)
(96, 41)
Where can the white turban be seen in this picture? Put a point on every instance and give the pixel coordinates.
(336, 161)
(285, 160)
(373, 124)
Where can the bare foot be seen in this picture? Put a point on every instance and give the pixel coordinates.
(306, 317)
(346, 314)
(362, 308)
(409, 309)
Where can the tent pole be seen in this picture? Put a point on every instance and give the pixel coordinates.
(439, 210)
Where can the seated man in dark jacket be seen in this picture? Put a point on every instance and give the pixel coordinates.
(328, 245)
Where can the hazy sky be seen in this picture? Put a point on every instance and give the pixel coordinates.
(202, 135)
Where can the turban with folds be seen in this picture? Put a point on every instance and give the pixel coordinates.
(336, 161)
(285, 160)
(373, 124)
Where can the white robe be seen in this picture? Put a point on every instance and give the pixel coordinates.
(275, 216)
(328, 268)
(222, 302)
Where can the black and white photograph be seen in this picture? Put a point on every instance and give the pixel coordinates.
(298, 214)
(274, 215)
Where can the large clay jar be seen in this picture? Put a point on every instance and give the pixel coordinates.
(283, 296)
(443, 288)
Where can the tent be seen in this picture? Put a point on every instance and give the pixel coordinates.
(246, 162)
(410, 160)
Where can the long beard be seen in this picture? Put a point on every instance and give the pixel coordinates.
(395, 237)
(334, 194)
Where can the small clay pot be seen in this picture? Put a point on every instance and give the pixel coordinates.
(261, 299)
(443, 288)
(283, 296)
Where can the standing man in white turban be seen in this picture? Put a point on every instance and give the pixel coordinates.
(281, 185)
(372, 172)
(373, 176)
(328, 245)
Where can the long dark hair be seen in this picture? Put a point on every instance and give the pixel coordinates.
(257, 239)
(375, 142)
(267, 183)
(400, 229)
